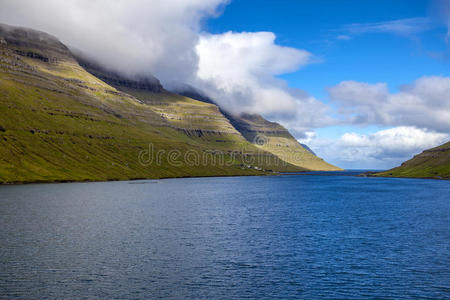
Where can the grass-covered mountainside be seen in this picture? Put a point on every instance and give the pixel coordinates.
(274, 138)
(431, 163)
(59, 122)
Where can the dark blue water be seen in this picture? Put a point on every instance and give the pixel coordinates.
(246, 237)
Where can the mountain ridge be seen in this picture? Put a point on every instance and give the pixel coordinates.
(59, 122)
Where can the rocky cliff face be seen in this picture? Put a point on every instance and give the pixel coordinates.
(252, 125)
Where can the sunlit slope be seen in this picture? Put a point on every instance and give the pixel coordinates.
(274, 138)
(431, 163)
(59, 122)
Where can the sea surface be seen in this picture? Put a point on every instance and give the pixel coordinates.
(291, 236)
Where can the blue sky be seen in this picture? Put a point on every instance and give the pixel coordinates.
(315, 26)
(350, 40)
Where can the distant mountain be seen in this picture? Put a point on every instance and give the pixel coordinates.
(274, 138)
(431, 163)
(63, 118)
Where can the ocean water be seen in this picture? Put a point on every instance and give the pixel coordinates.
(290, 236)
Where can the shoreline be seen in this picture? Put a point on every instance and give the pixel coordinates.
(303, 173)
(374, 175)
(130, 179)
(159, 178)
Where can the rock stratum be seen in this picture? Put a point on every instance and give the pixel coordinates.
(431, 163)
(63, 118)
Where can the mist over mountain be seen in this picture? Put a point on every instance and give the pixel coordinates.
(131, 37)
(165, 39)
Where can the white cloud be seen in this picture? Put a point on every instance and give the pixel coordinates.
(239, 71)
(256, 53)
(404, 27)
(425, 103)
(131, 36)
(383, 149)
(241, 68)
(412, 28)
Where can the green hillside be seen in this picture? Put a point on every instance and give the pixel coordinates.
(431, 163)
(60, 123)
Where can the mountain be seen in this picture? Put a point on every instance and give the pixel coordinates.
(65, 119)
(244, 124)
(431, 163)
(271, 137)
(274, 138)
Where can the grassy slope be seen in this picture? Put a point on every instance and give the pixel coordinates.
(58, 122)
(274, 138)
(205, 123)
(432, 163)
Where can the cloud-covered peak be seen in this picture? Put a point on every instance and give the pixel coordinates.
(134, 36)
(164, 38)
